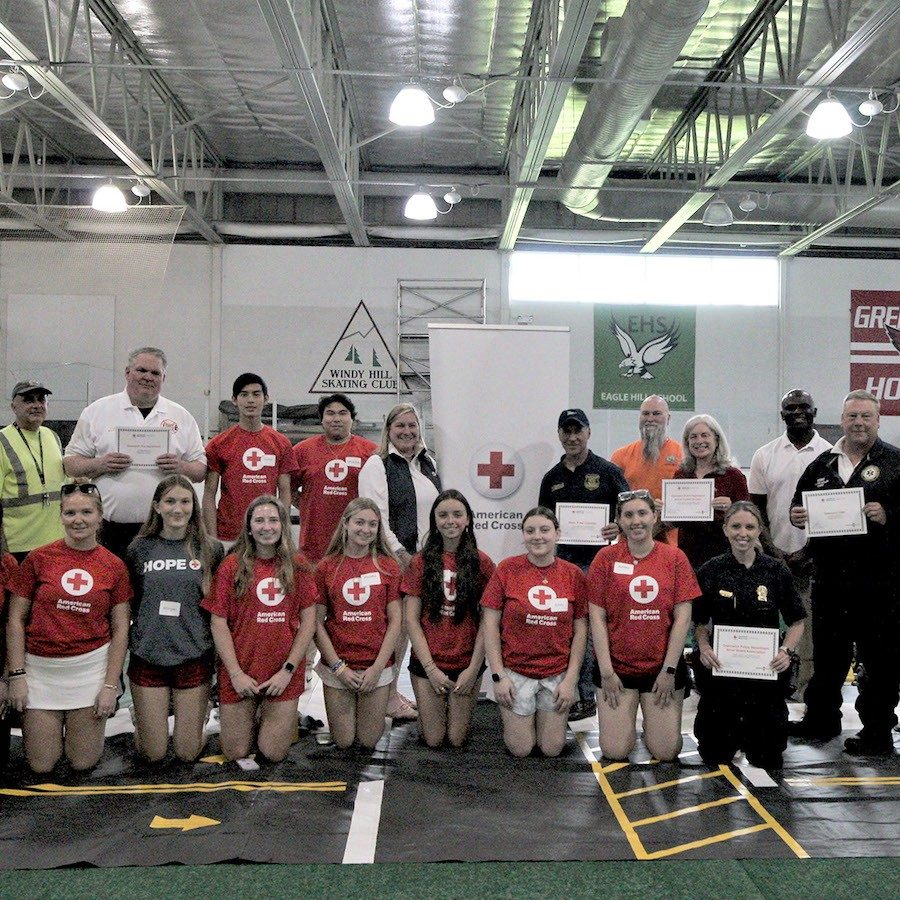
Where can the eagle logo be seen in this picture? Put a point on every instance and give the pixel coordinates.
(637, 362)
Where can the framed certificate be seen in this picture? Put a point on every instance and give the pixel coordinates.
(581, 523)
(745, 652)
(688, 499)
(835, 512)
(143, 445)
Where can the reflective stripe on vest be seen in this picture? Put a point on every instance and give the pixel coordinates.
(24, 498)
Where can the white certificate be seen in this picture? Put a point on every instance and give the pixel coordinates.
(745, 652)
(835, 512)
(143, 445)
(687, 499)
(581, 523)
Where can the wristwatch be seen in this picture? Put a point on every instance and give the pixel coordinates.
(670, 670)
(288, 667)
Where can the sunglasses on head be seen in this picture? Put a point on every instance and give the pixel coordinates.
(90, 489)
(641, 494)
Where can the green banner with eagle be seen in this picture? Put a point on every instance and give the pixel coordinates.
(641, 350)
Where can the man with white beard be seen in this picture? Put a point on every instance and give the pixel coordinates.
(656, 456)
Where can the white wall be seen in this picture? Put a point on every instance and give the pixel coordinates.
(279, 310)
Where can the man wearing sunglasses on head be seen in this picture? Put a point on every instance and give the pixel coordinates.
(95, 450)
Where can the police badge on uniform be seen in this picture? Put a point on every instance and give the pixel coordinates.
(591, 482)
(762, 594)
(870, 473)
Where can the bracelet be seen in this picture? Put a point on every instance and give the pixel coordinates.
(15, 673)
(336, 672)
(111, 687)
(336, 667)
(793, 654)
(430, 667)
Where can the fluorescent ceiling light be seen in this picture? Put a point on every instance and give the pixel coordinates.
(829, 120)
(108, 198)
(421, 206)
(718, 214)
(412, 108)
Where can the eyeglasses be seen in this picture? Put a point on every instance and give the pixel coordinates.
(641, 494)
(88, 488)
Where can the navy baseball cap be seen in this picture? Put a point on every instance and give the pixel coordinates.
(573, 415)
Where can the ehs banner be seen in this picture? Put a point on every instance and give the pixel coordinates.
(641, 350)
(875, 346)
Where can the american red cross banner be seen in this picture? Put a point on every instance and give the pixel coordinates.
(496, 394)
(875, 346)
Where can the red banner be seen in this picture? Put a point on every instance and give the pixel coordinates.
(875, 346)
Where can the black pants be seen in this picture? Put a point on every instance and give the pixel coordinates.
(116, 536)
(739, 714)
(844, 614)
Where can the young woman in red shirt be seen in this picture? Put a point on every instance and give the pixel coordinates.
(263, 618)
(359, 619)
(443, 587)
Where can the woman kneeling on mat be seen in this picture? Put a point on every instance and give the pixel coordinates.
(66, 637)
(640, 593)
(171, 563)
(745, 588)
(357, 625)
(535, 631)
(263, 618)
(443, 587)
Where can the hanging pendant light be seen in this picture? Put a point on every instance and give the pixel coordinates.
(829, 120)
(412, 108)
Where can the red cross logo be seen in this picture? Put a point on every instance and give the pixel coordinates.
(77, 582)
(336, 470)
(254, 459)
(355, 592)
(270, 592)
(541, 596)
(643, 589)
(450, 585)
(195, 564)
(496, 470)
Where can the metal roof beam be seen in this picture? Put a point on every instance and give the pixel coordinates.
(874, 27)
(94, 124)
(328, 108)
(541, 105)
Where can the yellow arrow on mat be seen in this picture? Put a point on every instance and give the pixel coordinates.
(188, 824)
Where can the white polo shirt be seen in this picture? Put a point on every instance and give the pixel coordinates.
(774, 471)
(127, 495)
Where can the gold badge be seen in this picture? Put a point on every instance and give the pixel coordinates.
(762, 594)
(870, 473)
(591, 482)
(727, 594)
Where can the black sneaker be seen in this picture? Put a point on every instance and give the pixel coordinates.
(812, 731)
(582, 709)
(863, 746)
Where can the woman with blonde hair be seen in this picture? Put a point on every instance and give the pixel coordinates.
(403, 481)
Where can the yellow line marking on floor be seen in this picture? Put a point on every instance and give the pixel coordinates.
(687, 810)
(282, 787)
(666, 784)
(705, 842)
(763, 813)
(614, 767)
(844, 781)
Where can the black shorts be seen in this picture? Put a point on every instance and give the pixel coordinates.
(643, 684)
(415, 668)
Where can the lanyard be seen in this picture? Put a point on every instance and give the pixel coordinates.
(38, 466)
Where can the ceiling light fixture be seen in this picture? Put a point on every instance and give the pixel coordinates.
(829, 120)
(421, 207)
(16, 81)
(412, 108)
(455, 93)
(140, 190)
(108, 198)
(748, 203)
(452, 196)
(718, 214)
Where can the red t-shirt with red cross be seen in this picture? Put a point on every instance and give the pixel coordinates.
(539, 606)
(263, 623)
(328, 477)
(356, 593)
(72, 593)
(449, 643)
(640, 597)
(248, 464)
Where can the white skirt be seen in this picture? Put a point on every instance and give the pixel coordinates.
(65, 682)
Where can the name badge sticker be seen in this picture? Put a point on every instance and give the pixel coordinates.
(559, 604)
(169, 608)
(269, 459)
(370, 578)
(354, 461)
(623, 568)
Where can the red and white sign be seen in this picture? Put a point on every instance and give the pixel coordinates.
(875, 346)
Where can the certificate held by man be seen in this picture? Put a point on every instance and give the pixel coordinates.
(687, 499)
(582, 523)
(835, 513)
(143, 445)
(745, 652)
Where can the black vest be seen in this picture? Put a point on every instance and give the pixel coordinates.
(402, 517)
